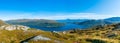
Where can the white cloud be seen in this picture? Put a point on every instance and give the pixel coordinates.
(23, 15)
(81, 16)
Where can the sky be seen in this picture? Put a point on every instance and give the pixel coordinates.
(59, 9)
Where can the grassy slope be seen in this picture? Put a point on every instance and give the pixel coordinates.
(93, 35)
(16, 36)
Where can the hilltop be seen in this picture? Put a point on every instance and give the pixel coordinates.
(113, 19)
(2, 23)
(6, 26)
(36, 23)
(93, 23)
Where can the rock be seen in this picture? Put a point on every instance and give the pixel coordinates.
(111, 35)
(40, 37)
(14, 27)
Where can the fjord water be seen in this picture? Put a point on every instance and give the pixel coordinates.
(68, 26)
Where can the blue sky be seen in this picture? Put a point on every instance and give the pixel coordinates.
(59, 9)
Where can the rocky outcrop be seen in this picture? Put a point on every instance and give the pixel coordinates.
(14, 27)
(40, 37)
(36, 38)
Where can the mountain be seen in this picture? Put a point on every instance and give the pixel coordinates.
(36, 23)
(113, 19)
(92, 23)
(72, 20)
(6, 26)
(31, 20)
(2, 23)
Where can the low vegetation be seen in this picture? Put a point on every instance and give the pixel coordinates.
(97, 34)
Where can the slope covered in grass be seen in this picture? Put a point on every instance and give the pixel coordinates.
(98, 34)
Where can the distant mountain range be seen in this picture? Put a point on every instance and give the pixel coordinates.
(72, 20)
(36, 23)
(87, 23)
(93, 23)
(113, 19)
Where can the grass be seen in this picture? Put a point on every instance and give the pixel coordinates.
(91, 35)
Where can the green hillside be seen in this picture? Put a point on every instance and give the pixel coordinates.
(99, 34)
(2, 23)
(36, 23)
